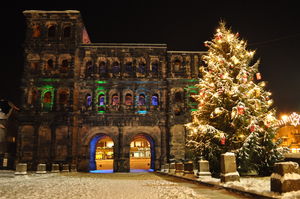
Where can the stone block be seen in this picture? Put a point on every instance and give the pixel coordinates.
(41, 169)
(179, 168)
(228, 168)
(285, 177)
(162, 168)
(188, 169)
(166, 170)
(21, 169)
(65, 168)
(203, 168)
(55, 168)
(172, 168)
(73, 168)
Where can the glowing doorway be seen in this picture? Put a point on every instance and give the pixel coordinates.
(102, 153)
(141, 154)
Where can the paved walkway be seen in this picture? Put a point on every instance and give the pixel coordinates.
(106, 186)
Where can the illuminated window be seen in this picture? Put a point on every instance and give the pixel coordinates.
(142, 100)
(101, 100)
(88, 100)
(177, 65)
(36, 31)
(115, 100)
(51, 31)
(128, 99)
(155, 100)
(67, 32)
(47, 97)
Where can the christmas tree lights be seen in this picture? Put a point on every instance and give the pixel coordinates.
(234, 111)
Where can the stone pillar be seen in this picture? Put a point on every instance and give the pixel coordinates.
(203, 168)
(65, 168)
(286, 177)
(55, 168)
(73, 168)
(41, 168)
(21, 169)
(179, 168)
(189, 169)
(172, 168)
(228, 168)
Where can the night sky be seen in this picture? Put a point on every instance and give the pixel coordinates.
(272, 28)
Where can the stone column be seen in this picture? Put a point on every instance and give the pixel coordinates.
(41, 168)
(21, 169)
(286, 177)
(55, 168)
(228, 168)
(203, 168)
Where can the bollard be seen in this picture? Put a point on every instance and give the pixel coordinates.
(162, 168)
(172, 168)
(73, 168)
(166, 170)
(21, 169)
(286, 177)
(65, 168)
(55, 168)
(228, 168)
(203, 168)
(179, 168)
(188, 169)
(41, 169)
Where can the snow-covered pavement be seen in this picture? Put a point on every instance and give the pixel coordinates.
(110, 186)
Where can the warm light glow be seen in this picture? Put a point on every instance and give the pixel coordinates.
(284, 117)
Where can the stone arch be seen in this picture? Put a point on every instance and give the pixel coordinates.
(62, 97)
(127, 93)
(154, 66)
(64, 61)
(66, 31)
(176, 62)
(102, 65)
(51, 29)
(49, 62)
(141, 67)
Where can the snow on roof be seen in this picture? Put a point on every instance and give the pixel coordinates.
(229, 154)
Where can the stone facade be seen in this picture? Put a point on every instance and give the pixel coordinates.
(75, 92)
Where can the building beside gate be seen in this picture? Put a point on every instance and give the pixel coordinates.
(77, 93)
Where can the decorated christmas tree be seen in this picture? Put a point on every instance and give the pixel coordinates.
(234, 110)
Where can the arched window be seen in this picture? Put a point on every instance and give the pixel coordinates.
(154, 67)
(155, 100)
(102, 68)
(128, 67)
(142, 100)
(142, 68)
(36, 31)
(47, 97)
(89, 68)
(116, 67)
(177, 65)
(51, 31)
(178, 97)
(50, 64)
(63, 98)
(101, 100)
(128, 99)
(88, 100)
(67, 32)
(115, 99)
(64, 66)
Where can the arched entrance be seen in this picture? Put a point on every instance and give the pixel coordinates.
(142, 153)
(101, 154)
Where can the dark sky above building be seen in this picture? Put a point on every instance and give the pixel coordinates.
(270, 27)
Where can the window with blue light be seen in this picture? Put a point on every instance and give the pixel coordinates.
(88, 100)
(142, 100)
(155, 100)
(101, 100)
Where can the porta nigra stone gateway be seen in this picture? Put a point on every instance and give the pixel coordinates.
(76, 93)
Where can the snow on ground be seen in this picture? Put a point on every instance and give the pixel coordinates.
(85, 186)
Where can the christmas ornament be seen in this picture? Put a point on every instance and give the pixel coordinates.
(223, 139)
(240, 110)
(252, 128)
